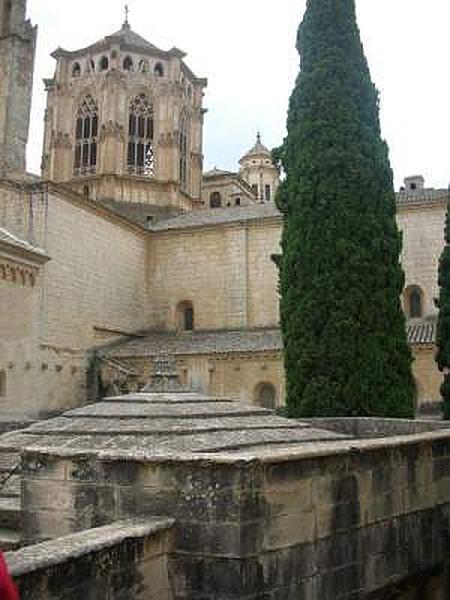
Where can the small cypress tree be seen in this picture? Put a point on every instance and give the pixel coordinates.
(443, 325)
(343, 329)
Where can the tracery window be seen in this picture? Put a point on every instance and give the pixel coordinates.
(141, 156)
(183, 150)
(86, 132)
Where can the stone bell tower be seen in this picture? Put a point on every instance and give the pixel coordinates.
(124, 123)
(17, 52)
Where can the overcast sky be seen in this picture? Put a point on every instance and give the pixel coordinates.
(246, 49)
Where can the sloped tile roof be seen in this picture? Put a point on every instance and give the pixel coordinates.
(200, 342)
(219, 216)
(10, 239)
(419, 196)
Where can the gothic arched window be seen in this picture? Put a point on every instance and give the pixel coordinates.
(183, 148)
(141, 157)
(86, 132)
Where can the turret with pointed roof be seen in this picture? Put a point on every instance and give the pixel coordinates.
(259, 171)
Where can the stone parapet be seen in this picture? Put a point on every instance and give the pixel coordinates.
(126, 560)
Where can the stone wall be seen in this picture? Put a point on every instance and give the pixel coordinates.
(338, 520)
(225, 271)
(124, 561)
(93, 285)
(238, 376)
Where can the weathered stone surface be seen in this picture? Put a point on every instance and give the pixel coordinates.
(126, 561)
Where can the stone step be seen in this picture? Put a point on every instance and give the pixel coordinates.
(8, 460)
(10, 513)
(9, 540)
(11, 488)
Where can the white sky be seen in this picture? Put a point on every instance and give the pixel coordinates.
(246, 49)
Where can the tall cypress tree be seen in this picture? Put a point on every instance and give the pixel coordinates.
(343, 329)
(443, 325)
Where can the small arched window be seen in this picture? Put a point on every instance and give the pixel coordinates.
(86, 191)
(2, 384)
(128, 63)
(86, 132)
(76, 70)
(141, 157)
(185, 316)
(414, 302)
(215, 200)
(238, 202)
(104, 63)
(266, 395)
(159, 70)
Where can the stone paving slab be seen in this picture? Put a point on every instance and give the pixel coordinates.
(165, 398)
(175, 444)
(108, 426)
(130, 409)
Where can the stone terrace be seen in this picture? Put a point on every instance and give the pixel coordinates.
(263, 507)
(166, 425)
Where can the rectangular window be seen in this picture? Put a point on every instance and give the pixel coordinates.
(150, 128)
(93, 154)
(2, 384)
(95, 126)
(255, 189)
(79, 129)
(87, 128)
(85, 155)
(132, 125)
(267, 193)
(189, 319)
(141, 127)
(131, 154)
(140, 155)
(78, 156)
